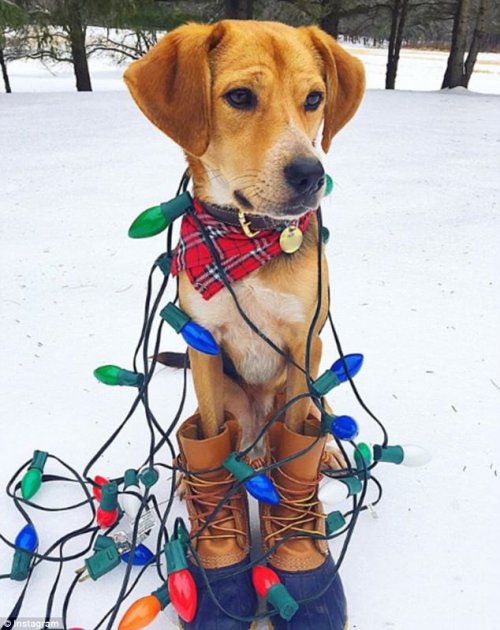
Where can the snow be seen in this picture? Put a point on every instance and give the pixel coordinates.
(424, 69)
(414, 261)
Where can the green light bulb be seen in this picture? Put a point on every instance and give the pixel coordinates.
(157, 218)
(31, 483)
(150, 222)
(32, 479)
(363, 453)
(329, 185)
(114, 375)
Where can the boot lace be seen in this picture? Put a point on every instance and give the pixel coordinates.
(298, 511)
(205, 495)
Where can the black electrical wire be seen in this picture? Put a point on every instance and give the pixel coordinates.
(353, 385)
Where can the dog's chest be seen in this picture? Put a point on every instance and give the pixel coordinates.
(272, 312)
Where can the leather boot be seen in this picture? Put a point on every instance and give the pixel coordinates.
(223, 547)
(303, 565)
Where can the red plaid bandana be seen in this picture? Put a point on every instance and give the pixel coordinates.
(239, 254)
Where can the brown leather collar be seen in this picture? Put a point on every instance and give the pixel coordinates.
(255, 222)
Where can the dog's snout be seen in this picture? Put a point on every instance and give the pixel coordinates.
(305, 175)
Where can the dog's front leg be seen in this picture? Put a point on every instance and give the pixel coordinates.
(208, 381)
(297, 384)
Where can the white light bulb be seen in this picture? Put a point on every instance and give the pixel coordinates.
(333, 491)
(131, 502)
(415, 455)
(406, 454)
(131, 499)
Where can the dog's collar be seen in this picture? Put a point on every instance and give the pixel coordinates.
(251, 224)
(202, 235)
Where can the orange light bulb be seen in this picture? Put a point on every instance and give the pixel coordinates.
(141, 613)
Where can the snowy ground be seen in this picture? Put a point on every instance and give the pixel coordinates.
(414, 260)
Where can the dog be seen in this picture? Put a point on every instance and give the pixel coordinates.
(245, 100)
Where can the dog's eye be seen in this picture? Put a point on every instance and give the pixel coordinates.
(241, 98)
(313, 101)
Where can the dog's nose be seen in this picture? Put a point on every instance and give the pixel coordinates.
(305, 175)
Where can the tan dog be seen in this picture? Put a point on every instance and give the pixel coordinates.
(245, 101)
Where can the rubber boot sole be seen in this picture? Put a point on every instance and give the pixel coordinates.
(271, 627)
(252, 627)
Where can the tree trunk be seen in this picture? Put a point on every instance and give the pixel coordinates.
(477, 41)
(330, 16)
(330, 22)
(390, 74)
(399, 12)
(238, 9)
(454, 75)
(77, 36)
(4, 73)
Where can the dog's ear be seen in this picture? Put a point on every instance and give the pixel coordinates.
(345, 82)
(171, 84)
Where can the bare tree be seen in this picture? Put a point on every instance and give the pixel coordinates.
(5, 74)
(399, 11)
(465, 29)
(11, 17)
(478, 38)
(125, 44)
(77, 33)
(139, 29)
(58, 30)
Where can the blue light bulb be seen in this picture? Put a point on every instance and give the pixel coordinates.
(142, 556)
(194, 335)
(344, 428)
(353, 362)
(27, 538)
(26, 543)
(262, 489)
(258, 485)
(199, 338)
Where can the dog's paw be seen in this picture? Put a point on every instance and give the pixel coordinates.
(180, 485)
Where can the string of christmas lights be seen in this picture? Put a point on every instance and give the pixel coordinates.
(124, 512)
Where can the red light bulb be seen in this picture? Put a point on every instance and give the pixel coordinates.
(108, 510)
(263, 578)
(181, 585)
(183, 594)
(268, 585)
(106, 518)
(97, 489)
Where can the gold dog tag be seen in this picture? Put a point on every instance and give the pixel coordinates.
(291, 239)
